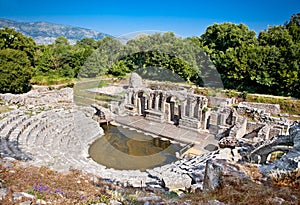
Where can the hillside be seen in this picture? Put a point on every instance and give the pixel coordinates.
(46, 33)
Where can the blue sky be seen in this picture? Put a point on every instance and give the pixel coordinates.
(185, 18)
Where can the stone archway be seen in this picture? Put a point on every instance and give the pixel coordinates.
(173, 110)
(281, 143)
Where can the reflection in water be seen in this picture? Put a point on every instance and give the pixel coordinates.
(126, 149)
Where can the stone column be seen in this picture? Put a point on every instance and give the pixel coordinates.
(192, 106)
(163, 102)
(187, 108)
(138, 102)
(150, 101)
(156, 101)
(129, 97)
(196, 109)
(167, 114)
(183, 104)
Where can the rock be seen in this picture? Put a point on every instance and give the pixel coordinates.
(215, 202)
(148, 199)
(225, 154)
(40, 201)
(3, 193)
(177, 181)
(114, 202)
(228, 142)
(212, 176)
(26, 203)
(135, 81)
(294, 132)
(215, 172)
(276, 200)
(19, 195)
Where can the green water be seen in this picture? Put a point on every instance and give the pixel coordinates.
(125, 149)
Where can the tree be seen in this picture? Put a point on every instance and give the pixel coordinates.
(15, 72)
(9, 38)
(283, 63)
(227, 46)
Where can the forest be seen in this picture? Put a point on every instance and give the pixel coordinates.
(267, 62)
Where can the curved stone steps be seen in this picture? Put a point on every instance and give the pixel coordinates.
(11, 128)
(9, 117)
(45, 136)
(27, 135)
(16, 133)
(13, 123)
(5, 151)
(61, 136)
(60, 139)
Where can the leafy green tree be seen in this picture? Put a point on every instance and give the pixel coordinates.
(87, 43)
(9, 38)
(294, 27)
(15, 72)
(283, 63)
(95, 65)
(227, 46)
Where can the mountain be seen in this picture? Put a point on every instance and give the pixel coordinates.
(46, 33)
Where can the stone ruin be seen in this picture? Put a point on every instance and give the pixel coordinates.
(178, 105)
(166, 103)
(57, 136)
(248, 125)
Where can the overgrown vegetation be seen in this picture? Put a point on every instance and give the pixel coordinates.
(48, 186)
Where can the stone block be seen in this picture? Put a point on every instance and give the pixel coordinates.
(176, 181)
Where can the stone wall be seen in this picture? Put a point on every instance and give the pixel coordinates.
(40, 96)
(273, 109)
(218, 101)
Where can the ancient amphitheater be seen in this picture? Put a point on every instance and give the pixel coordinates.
(45, 128)
(53, 132)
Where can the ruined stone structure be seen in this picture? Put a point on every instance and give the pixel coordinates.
(170, 104)
(59, 137)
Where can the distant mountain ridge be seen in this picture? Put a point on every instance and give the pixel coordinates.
(46, 33)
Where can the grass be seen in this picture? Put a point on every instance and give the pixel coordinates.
(287, 105)
(4, 108)
(245, 191)
(50, 80)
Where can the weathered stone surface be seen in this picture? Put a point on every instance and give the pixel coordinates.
(40, 96)
(177, 181)
(152, 199)
(135, 81)
(228, 142)
(19, 195)
(218, 101)
(215, 202)
(26, 203)
(114, 202)
(291, 160)
(213, 176)
(274, 109)
(295, 133)
(215, 172)
(3, 193)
